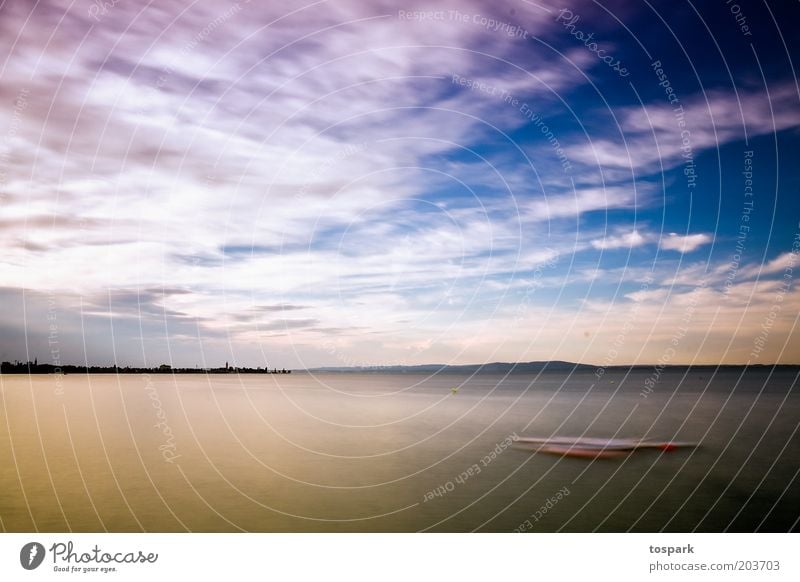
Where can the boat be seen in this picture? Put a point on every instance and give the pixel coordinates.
(582, 453)
(589, 447)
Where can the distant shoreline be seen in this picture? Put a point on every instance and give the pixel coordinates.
(538, 367)
(34, 368)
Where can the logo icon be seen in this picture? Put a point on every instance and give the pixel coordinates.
(31, 555)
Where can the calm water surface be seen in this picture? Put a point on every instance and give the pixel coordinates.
(363, 452)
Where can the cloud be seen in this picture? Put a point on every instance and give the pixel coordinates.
(279, 307)
(211, 171)
(580, 201)
(627, 241)
(649, 137)
(784, 262)
(684, 244)
(651, 295)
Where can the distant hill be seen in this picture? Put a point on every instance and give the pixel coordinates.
(522, 368)
(492, 368)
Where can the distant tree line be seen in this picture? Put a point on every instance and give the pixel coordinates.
(35, 367)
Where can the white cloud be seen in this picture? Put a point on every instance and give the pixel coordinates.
(621, 241)
(324, 134)
(684, 244)
(582, 200)
(649, 138)
(650, 295)
(777, 265)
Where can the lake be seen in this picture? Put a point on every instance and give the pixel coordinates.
(396, 452)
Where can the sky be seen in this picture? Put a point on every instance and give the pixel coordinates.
(346, 183)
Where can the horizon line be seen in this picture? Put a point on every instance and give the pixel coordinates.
(166, 368)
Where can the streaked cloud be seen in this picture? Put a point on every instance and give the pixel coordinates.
(265, 177)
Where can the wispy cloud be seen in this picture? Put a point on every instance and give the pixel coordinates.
(264, 172)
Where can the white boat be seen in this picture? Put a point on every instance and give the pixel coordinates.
(589, 447)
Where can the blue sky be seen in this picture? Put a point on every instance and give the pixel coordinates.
(349, 183)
